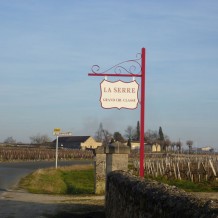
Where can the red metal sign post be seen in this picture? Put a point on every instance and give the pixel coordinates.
(130, 72)
(142, 116)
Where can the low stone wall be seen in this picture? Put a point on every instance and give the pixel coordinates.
(131, 197)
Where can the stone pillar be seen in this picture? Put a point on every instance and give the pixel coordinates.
(100, 170)
(110, 158)
(117, 157)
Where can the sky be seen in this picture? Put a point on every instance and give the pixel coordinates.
(48, 47)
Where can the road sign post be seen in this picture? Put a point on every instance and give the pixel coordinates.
(130, 72)
(57, 132)
(56, 153)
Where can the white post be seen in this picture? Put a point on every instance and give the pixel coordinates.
(56, 156)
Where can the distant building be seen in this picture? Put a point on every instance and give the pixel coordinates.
(205, 149)
(77, 142)
(135, 145)
(156, 148)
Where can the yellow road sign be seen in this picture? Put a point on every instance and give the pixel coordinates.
(57, 129)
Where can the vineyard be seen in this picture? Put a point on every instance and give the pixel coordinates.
(196, 168)
(35, 154)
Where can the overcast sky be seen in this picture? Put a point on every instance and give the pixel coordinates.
(47, 49)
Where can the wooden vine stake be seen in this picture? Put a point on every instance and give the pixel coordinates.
(212, 167)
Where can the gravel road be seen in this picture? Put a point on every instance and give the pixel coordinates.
(20, 204)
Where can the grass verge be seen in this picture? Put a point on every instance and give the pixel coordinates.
(64, 180)
(188, 185)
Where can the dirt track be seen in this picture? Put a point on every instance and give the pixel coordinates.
(20, 204)
(207, 195)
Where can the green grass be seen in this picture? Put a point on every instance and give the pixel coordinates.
(66, 180)
(79, 182)
(190, 186)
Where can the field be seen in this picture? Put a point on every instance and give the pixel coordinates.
(35, 154)
(197, 172)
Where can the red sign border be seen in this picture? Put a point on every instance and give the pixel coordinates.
(121, 107)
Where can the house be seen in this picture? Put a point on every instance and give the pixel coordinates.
(206, 149)
(77, 142)
(135, 145)
(156, 148)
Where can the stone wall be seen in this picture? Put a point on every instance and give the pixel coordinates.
(131, 197)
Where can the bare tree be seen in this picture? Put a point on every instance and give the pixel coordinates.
(179, 146)
(103, 135)
(151, 137)
(107, 137)
(99, 135)
(173, 145)
(39, 139)
(129, 132)
(10, 140)
(167, 144)
(189, 143)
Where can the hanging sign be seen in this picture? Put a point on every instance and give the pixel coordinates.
(119, 94)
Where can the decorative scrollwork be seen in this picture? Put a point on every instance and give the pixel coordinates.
(132, 67)
(95, 68)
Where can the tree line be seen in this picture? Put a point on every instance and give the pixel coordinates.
(151, 137)
(37, 139)
(130, 134)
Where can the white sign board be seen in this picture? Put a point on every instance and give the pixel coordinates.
(64, 134)
(119, 94)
